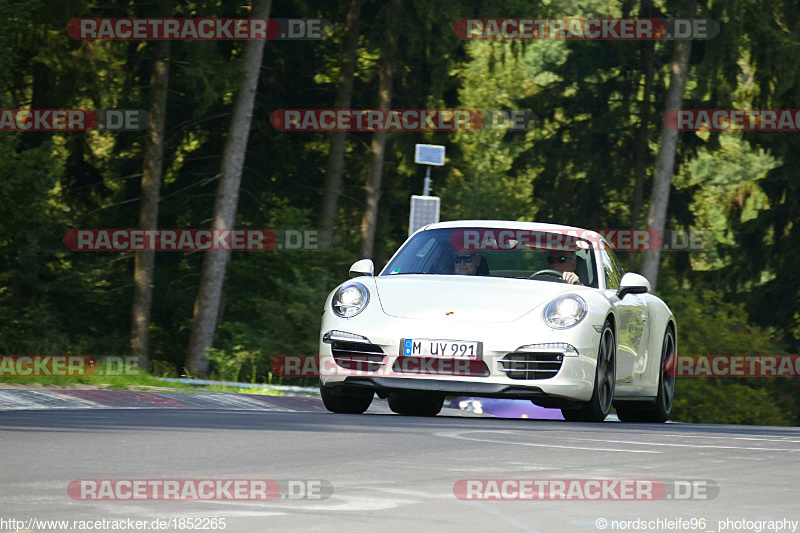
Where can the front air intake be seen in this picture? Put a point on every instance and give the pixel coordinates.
(357, 356)
(539, 365)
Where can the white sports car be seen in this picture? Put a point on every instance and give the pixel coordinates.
(503, 310)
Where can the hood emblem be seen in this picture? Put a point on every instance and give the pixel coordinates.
(448, 313)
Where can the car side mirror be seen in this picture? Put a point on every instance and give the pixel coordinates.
(632, 284)
(364, 267)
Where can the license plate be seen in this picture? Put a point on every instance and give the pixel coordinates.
(441, 348)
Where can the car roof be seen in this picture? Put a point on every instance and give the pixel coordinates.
(511, 224)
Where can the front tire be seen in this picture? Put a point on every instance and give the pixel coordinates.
(416, 403)
(659, 411)
(345, 400)
(605, 378)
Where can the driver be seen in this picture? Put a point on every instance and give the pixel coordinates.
(565, 262)
(467, 263)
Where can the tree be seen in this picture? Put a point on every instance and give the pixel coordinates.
(378, 149)
(145, 261)
(344, 95)
(642, 141)
(206, 307)
(659, 198)
(764, 262)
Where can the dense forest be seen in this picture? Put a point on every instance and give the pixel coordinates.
(591, 159)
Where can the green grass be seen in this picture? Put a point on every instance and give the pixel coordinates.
(133, 379)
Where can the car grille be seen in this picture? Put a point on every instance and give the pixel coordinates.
(357, 356)
(539, 365)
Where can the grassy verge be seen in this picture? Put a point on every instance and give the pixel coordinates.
(132, 379)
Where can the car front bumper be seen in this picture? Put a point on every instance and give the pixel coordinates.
(505, 366)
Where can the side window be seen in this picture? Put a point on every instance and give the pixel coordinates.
(611, 267)
(585, 268)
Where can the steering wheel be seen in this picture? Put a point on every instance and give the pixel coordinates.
(548, 272)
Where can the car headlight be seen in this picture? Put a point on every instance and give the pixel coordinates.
(350, 299)
(565, 311)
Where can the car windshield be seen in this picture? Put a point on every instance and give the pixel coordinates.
(504, 253)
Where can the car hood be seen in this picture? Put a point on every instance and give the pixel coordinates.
(466, 298)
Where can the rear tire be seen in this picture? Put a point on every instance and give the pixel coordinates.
(657, 412)
(605, 378)
(345, 400)
(416, 403)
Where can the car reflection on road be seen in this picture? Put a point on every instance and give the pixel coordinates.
(505, 408)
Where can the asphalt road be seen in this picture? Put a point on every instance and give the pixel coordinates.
(389, 473)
